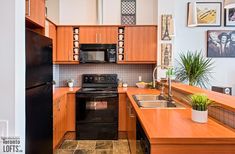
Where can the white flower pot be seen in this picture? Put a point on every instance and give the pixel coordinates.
(70, 84)
(200, 116)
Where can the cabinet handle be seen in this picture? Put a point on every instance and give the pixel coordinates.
(28, 13)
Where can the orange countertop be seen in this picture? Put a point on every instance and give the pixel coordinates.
(171, 126)
(60, 91)
(221, 99)
(174, 126)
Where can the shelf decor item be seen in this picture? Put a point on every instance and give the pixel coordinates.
(229, 17)
(166, 54)
(194, 69)
(128, 12)
(220, 43)
(204, 14)
(167, 27)
(229, 4)
(200, 103)
(70, 83)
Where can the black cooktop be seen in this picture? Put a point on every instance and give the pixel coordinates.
(99, 83)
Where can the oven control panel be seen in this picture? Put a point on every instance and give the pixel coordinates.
(99, 78)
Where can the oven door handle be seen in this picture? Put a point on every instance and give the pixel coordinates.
(97, 97)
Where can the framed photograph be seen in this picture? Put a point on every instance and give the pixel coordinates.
(220, 43)
(166, 54)
(167, 27)
(229, 17)
(208, 14)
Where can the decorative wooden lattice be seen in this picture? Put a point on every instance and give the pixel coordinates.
(128, 12)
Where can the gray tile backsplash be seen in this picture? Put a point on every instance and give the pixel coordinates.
(126, 73)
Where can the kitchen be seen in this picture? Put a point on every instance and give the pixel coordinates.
(96, 80)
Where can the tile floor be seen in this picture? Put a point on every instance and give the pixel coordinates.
(94, 147)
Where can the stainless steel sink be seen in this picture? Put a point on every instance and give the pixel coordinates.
(147, 97)
(154, 101)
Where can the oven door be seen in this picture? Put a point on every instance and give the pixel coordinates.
(97, 108)
(97, 116)
(93, 56)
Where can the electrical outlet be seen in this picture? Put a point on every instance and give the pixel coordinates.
(140, 78)
(3, 128)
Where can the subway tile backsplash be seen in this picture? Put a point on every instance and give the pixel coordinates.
(126, 73)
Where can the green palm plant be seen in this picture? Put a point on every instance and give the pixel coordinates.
(194, 68)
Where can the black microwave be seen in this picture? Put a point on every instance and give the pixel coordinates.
(98, 53)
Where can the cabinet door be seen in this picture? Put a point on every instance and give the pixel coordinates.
(71, 112)
(108, 35)
(50, 29)
(35, 11)
(64, 44)
(140, 44)
(55, 123)
(131, 127)
(63, 111)
(89, 35)
(122, 111)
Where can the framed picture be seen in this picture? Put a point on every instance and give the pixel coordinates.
(208, 14)
(166, 54)
(167, 29)
(221, 43)
(229, 17)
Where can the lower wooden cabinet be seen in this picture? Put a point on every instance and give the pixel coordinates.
(71, 112)
(59, 119)
(122, 113)
(131, 126)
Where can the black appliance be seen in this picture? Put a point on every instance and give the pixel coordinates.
(224, 90)
(39, 122)
(97, 107)
(142, 142)
(98, 53)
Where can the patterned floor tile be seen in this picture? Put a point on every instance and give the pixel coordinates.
(69, 144)
(85, 151)
(104, 144)
(64, 151)
(98, 151)
(86, 144)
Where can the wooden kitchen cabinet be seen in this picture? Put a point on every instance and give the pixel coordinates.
(71, 112)
(140, 44)
(64, 44)
(35, 12)
(131, 126)
(122, 113)
(98, 35)
(50, 31)
(59, 119)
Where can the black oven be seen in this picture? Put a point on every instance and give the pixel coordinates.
(97, 116)
(98, 53)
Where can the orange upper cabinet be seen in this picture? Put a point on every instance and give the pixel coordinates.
(64, 44)
(35, 11)
(98, 35)
(140, 44)
(50, 31)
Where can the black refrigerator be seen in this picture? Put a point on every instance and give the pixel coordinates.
(39, 76)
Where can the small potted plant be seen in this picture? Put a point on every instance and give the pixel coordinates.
(70, 83)
(200, 103)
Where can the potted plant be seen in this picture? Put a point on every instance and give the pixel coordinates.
(200, 103)
(70, 83)
(53, 85)
(194, 68)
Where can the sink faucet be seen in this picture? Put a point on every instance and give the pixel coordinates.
(168, 79)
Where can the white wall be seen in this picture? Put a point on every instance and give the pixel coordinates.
(77, 12)
(53, 11)
(195, 39)
(12, 66)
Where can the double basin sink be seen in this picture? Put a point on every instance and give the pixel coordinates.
(155, 101)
